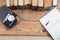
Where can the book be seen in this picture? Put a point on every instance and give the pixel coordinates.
(27, 2)
(40, 4)
(55, 2)
(34, 4)
(47, 4)
(8, 3)
(51, 22)
(20, 2)
(44, 4)
(15, 2)
(11, 2)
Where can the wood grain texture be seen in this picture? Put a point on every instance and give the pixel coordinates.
(29, 24)
(24, 28)
(24, 38)
(47, 3)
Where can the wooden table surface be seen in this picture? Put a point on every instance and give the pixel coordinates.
(29, 24)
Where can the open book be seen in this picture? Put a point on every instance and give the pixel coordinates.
(51, 22)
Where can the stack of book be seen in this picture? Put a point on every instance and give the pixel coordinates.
(32, 4)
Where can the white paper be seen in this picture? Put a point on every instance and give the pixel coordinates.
(51, 22)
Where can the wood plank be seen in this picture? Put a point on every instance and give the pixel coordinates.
(29, 15)
(29, 24)
(24, 28)
(24, 38)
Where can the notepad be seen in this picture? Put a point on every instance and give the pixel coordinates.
(51, 22)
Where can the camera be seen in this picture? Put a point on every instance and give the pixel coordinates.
(8, 17)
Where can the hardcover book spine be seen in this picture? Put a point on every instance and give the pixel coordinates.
(15, 2)
(21, 4)
(55, 3)
(27, 4)
(47, 4)
(34, 4)
(11, 2)
(7, 3)
(40, 4)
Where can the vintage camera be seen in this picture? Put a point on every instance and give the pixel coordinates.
(8, 17)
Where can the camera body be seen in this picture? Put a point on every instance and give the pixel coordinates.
(10, 20)
(8, 17)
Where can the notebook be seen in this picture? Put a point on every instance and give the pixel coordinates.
(51, 22)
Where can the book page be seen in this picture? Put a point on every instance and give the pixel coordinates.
(51, 22)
